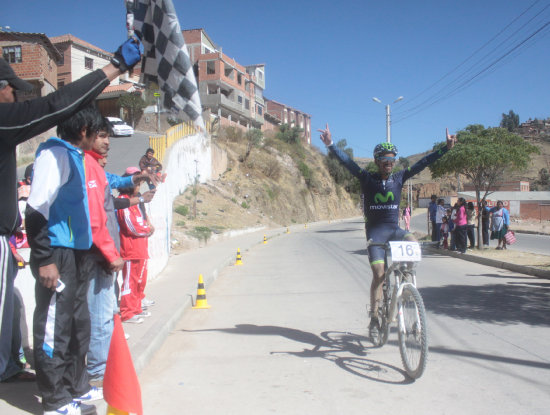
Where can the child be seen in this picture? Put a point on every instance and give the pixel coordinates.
(134, 231)
(445, 232)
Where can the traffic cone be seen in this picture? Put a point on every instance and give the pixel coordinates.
(239, 260)
(201, 295)
(121, 388)
(305, 225)
(265, 240)
(287, 230)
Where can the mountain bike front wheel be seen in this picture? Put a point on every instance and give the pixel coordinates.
(413, 336)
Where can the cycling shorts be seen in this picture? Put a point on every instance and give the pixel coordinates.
(380, 234)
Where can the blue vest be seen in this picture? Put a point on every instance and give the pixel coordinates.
(69, 221)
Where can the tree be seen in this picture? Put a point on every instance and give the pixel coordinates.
(133, 103)
(483, 155)
(543, 182)
(288, 134)
(510, 121)
(341, 174)
(253, 139)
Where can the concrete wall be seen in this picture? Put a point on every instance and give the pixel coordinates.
(180, 167)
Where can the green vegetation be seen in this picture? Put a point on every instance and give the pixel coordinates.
(134, 104)
(182, 210)
(202, 233)
(510, 121)
(245, 205)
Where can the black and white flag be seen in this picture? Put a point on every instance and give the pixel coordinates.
(166, 60)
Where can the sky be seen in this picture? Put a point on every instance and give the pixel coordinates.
(454, 63)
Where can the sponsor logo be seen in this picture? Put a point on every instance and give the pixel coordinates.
(379, 198)
(92, 184)
(383, 207)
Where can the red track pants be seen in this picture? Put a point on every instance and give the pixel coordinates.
(134, 279)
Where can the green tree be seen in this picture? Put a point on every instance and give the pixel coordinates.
(510, 121)
(341, 174)
(288, 134)
(543, 182)
(253, 139)
(133, 103)
(483, 155)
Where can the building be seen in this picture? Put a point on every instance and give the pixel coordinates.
(524, 205)
(278, 114)
(79, 58)
(33, 58)
(232, 92)
(511, 186)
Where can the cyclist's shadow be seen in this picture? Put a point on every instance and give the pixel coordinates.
(331, 346)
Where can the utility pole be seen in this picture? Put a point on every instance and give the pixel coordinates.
(388, 117)
(195, 188)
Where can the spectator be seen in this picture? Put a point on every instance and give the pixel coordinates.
(149, 163)
(407, 217)
(103, 260)
(451, 216)
(24, 186)
(445, 232)
(135, 230)
(471, 226)
(485, 217)
(499, 224)
(439, 214)
(20, 121)
(59, 233)
(432, 209)
(461, 223)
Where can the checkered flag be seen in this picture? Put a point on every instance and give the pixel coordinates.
(166, 60)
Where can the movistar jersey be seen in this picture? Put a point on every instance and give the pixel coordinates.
(382, 197)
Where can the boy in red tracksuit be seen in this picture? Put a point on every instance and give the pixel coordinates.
(134, 231)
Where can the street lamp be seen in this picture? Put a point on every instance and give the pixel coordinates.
(388, 121)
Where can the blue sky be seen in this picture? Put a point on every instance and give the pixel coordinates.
(330, 58)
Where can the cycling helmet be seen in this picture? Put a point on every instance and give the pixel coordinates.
(384, 148)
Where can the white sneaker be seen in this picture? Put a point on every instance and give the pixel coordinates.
(147, 303)
(144, 314)
(94, 394)
(72, 408)
(126, 336)
(134, 319)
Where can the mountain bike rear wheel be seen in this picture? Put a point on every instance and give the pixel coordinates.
(413, 335)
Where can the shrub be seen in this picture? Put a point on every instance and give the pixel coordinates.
(272, 169)
(245, 205)
(201, 233)
(182, 210)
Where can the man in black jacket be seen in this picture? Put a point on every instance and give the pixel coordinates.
(20, 121)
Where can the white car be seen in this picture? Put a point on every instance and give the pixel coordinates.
(119, 127)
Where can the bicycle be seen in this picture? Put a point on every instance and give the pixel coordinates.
(403, 302)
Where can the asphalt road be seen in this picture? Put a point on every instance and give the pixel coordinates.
(538, 244)
(286, 334)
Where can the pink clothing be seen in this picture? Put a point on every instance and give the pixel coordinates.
(461, 217)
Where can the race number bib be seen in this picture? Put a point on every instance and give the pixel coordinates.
(405, 251)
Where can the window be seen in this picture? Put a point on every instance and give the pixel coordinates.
(12, 54)
(89, 63)
(239, 79)
(210, 67)
(260, 110)
(247, 104)
(240, 99)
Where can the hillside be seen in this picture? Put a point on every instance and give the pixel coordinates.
(269, 188)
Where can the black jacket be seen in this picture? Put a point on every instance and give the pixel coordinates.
(21, 121)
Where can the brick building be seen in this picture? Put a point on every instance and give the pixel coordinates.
(33, 58)
(231, 91)
(278, 114)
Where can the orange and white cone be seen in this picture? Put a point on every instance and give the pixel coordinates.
(201, 295)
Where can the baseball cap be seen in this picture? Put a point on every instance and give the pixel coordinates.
(7, 74)
(132, 170)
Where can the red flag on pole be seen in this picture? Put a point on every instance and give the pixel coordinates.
(121, 388)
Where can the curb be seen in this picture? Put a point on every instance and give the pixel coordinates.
(535, 272)
(532, 232)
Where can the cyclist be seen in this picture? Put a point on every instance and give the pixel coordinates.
(382, 194)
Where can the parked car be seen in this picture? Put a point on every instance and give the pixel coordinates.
(119, 127)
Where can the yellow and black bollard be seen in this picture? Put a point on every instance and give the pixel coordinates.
(265, 240)
(239, 259)
(201, 295)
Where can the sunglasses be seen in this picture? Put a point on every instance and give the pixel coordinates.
(3, 84)
(384, 158)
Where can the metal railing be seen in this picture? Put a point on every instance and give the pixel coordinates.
(161, 143)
